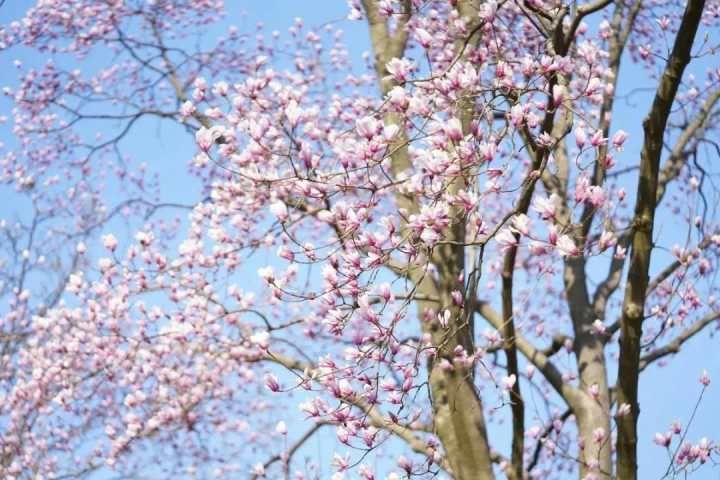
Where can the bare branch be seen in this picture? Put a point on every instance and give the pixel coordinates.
(286, 456)
(677, 159)
(674, 346)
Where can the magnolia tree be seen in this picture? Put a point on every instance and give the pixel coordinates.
(394, 253)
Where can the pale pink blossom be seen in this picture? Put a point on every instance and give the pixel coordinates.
(271, 382)
(521, 224)
(508, 382)
(423, 37)
(368, 127)
(624, 410)
(559, 94)
(566, 246)
(399, 69)
(293, 113)
(546, 206)
(280, 210)
(506, 239)
(580, 137)
(187, 109)
(110, 242)
(607, 240)
(663, 439)
(619, 139)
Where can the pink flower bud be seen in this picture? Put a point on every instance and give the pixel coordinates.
(110, 242)
(705, 378)
(618, 139)
(271, 382)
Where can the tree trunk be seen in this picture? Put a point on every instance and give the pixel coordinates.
(642, 241)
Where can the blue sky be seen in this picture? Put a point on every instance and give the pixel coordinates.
(667, 393)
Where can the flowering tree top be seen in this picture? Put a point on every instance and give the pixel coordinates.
(401, 254)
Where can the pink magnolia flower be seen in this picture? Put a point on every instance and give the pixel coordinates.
(559, 94)
(293, 113)
(398, 97)
(271, 382)
(344, 388)
(517, 115)
(594, 86)
(187, 109)
(423, 37)
(580, 137)
(663, 439)
(453, 129)
(676, 427)
(204, 138)
(521, 224)
(566, 246)
(596, 196)
(623, 410)
(144, 238)
(221, 88)
(368, 127)
(280, 210)
(599, 327)
(406, 464)
(385, 292)
(457, 297)
(444, 318)
(619, 139)
(597, 139)
(399, 69)
(546, 206)
(258, 470)
(534, 431)
(267, 274)
(110, 242)
(488, 10)
(538, 248)
(488, 151)
(704, 448)
(506, 239)
(607, 240)
(389, 132)
(508, 382)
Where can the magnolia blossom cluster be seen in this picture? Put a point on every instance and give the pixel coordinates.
(298, 282)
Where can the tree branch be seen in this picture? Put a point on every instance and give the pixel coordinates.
(551, 373)
(377, 419)
(661, 277)
(642, 242)
(288, 454)
(674, 346)
(677, 159)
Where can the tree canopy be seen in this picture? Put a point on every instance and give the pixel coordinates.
(448, 258)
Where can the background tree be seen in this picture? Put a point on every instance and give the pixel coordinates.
(411, 252)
